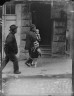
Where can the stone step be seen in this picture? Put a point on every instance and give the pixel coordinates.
(45, 49)
(44, 46)
(46, 52)
(46, 55)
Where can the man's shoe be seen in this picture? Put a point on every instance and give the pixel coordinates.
(17, 72)
(28, 64)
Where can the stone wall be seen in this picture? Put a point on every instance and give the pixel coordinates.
(59, 16)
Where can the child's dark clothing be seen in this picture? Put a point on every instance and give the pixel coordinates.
(33, 53)
(32, 45)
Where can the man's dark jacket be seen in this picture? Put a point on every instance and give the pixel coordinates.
(11, 44)
(30, 39)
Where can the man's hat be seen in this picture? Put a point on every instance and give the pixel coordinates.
(32, 26)
(12, 27)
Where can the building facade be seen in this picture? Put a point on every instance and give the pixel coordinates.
(52, 18)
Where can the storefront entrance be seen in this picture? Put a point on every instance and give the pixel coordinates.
(41, 17)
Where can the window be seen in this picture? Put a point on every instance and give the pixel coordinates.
(10, 9)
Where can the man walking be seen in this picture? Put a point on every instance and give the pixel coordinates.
(32, 45)
(11, 49)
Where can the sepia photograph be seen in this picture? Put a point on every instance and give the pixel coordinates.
(36, 48)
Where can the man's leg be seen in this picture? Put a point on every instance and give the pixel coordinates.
(29, 60)
(14, 59)
(4, 62)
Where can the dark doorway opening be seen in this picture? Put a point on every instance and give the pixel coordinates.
(41, 17)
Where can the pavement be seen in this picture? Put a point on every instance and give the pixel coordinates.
(45, 66)
(38, 87)
(51, 77)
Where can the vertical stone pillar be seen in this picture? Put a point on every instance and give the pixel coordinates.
(25, 27)
(18, 23)
(71, 11)
(70, 24)
(3, 31)
(72, 44)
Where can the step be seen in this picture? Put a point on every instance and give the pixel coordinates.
(46, 56)
(46, 50)
(44, 46)
(44, 53)
(43, 49)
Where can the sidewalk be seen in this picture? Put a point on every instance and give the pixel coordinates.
(52, 77)
(45, 67)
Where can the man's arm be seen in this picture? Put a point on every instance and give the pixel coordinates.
(9, 42)
(9, 39)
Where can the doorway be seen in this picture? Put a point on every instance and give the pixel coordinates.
(41, 17)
